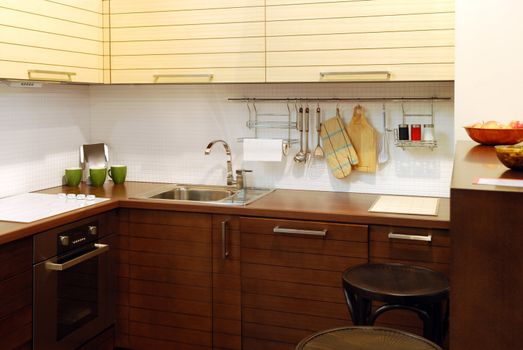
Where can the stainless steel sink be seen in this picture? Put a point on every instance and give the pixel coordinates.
(206, 194)
(195, 194)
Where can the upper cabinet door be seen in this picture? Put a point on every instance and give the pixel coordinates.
(59, 40)
(187, 41)
(357, 40)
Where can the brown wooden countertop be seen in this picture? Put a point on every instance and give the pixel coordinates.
(472, 160)
(284, 204)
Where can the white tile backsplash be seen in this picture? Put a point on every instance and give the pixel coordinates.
(160, 132)
(40, 132)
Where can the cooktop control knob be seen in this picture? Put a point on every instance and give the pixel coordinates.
(93, 230)
(64, 240)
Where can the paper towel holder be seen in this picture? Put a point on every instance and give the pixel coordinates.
(285, 146)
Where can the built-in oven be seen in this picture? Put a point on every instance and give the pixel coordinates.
(73, 275)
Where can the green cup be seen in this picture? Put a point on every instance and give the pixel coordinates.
(97, 176)
(118, 173)
(73, 176)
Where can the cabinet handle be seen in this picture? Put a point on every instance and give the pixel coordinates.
(225, 240)
(410, 237)
(31, 72)
(294, 231)
(355, 76)
(177, 77)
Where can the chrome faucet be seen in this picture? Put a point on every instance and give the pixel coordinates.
(240, 181)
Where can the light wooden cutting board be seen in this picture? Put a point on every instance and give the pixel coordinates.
(364, 138)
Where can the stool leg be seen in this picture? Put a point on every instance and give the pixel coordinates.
(430, 324)
(351, 304)
(364, 307)
(439, 318)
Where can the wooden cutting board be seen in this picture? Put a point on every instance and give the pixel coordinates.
(364, 138)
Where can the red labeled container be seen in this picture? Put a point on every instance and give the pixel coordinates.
(415, 132)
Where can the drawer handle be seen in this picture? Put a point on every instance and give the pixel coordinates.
(32, 72)
(355, 76)
(183, 77)
(410, 237)
(294, 231)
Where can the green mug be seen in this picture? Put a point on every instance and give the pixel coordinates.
(118, 173)
(73, 176)
(97, 176)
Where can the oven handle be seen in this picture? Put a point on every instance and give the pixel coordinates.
(100, 249)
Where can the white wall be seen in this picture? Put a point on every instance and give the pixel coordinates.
(160, 132)
(40, 132)
(489, 62)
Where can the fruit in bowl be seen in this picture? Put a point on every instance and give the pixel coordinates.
(495, 133)
(511, 155)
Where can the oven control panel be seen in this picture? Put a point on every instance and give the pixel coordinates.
(77, 237)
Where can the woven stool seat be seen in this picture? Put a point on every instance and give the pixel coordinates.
(365, 338)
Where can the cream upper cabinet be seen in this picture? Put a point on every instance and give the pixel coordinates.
(187, 41)
(59, 40)
(373, 40)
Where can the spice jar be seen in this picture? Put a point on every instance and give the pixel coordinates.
(403, 132)
(428, 132)
(415, 132)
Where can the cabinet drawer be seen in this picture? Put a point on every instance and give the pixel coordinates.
(425, 247)
(338, 232)
(304, 237)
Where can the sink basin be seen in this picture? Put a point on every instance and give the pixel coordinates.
(206, 194)
(194, 194)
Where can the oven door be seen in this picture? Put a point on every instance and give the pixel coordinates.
(73, 297)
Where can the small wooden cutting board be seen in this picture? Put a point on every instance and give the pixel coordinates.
(364, 138)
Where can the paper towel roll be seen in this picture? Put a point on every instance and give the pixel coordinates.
(262, 150)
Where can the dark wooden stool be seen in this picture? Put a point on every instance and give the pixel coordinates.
(365, 338)
(399, 286)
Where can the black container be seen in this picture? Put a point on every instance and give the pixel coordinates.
(403, 132)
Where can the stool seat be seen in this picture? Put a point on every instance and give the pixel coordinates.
(398, 286)
(397, 283)
(365, 338)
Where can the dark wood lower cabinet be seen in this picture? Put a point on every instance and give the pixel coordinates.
(165, 281)
(291, 282)
(197, 281)
(16, 295)
(103, 341)
(226, 321)
(407, 248)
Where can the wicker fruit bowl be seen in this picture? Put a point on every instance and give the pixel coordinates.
(511, 156)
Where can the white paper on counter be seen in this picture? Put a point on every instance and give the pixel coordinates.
(498, 182)
(406, 205)
(29, 207)
(262, 150)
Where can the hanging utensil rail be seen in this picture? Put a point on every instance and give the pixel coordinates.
(338, 99)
